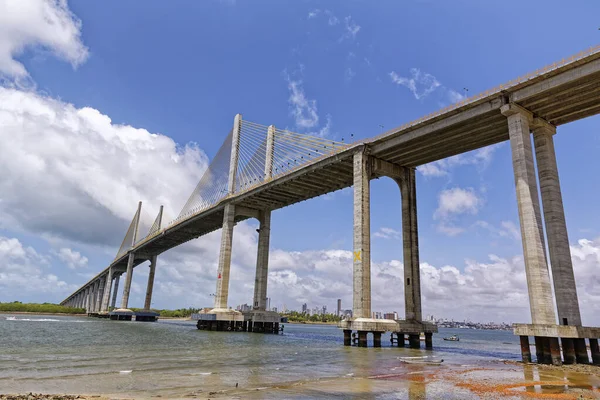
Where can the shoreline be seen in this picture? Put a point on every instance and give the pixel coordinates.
(311, 323)
(40, 313)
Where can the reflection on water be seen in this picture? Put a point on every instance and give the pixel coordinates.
(308, 361)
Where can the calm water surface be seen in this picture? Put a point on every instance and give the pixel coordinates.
(59, 354)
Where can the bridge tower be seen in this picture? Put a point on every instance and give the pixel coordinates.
(258, 319)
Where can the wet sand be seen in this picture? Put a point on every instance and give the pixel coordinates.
(493, 380)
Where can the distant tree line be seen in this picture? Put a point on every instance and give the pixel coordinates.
(17, 306)
(295, 316)
(179, 313)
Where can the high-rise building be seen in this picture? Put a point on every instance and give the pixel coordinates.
(268, 304)
(339, 307)
(304, 308)
(324, 310)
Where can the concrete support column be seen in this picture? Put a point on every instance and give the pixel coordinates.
(362, 238)
(150, 284)
(225, 258)
(128, 277)
(556, 226)
(536, 267)
(262, 261)
(93, 291)
(414, 341)
(412, 275)
(568, 348)
(107, 290)
(428, 340)
(362, 338)
(581, 352)
(88, 299)
(525, 350)
(595, 350)
(347, 337)
(555, 351)
(100, 295)
(539, 349)
(113, 302)
(376, 339)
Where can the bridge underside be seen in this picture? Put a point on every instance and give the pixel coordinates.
(481, 124)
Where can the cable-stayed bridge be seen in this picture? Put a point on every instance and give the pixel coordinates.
(261, 168)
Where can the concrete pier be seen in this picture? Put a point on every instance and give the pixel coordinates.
(534, 249)
(150, 284)
(113, 302)
(364, 168)
(595, 350)
(556, 227)
(107, 291)
(262, 261)
(361, 298)
(412, 273)
(128, 278)
(525, 350)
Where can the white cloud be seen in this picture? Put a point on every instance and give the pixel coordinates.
(325, 130)
(352, 28)
(73, 259)
(23, 270)
(480, 158)
(314, 13)
(421, 84)
(303, 110)
(457, 201)
(454, 96)
(387, 233)
(349, 74)
(507, 229)
(40, 24)
(61, 165)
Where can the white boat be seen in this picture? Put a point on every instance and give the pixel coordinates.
(453, 338)
(410, 360)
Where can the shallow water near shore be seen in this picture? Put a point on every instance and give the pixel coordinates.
(79, 355)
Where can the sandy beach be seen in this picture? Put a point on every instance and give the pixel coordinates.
(497, 380)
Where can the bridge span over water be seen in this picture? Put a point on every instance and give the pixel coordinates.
(260, 168)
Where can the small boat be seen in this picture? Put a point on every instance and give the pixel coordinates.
(453, 338)
(410, 360)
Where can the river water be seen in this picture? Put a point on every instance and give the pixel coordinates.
(79, 355)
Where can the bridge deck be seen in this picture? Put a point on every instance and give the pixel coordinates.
(560, 94)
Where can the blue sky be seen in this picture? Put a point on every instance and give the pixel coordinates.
(334, 69)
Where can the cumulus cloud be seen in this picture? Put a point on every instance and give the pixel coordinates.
(65, 169)
(387, 233)
(457, 201)
(480, 158)
(24, 270)
(45, 25)
(452, 203)
(72, 259)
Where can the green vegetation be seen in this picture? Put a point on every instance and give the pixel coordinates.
(295, 316)
(17, 306)
(179, 313)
